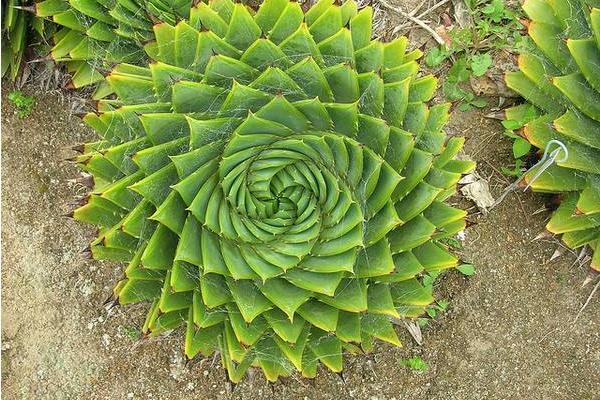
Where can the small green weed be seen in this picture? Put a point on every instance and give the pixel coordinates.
(452, 242)
(562, 278)
(471, 49)
(439, 307)
(466, 269)
(415, 363)
(521, 147)
(132, 333)
(429, 279)
(23, 103)
(516, 171)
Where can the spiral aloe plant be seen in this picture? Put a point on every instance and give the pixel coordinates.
(276, 182)
(96, 34)
(560, 78)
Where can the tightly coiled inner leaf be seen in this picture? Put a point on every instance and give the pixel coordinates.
(560, 77)
(276, 182)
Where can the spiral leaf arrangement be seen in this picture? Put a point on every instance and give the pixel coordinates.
(276, 182)
(560, 78)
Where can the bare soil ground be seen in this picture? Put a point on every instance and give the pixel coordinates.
(509, 332)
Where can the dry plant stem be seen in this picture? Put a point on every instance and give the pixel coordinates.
(423, 14)
(507, 182)
(497, 172)
(580, 257)
(462, 14)
(483, 144)
(586, 302)
(417, 8)
(416, 20)
(415, 331)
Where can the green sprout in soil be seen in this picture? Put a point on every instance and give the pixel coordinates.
(132, 332)
(471, 48)
(466, 269)
(452, 243)
(23, 103)
(521, 147)
(439, 307)
(415, 363)
(429, 278)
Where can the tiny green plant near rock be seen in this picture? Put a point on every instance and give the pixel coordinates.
(471, 49)
(559, 76)
(276, 182)
(414, 363)
(22, 102)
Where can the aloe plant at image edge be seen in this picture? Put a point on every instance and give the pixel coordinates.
(18, 27)
(560, 78)
(14, 31)
(276, 182)
(91, 36)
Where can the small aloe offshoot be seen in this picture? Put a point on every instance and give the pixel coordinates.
(276, 182)
(560, 78)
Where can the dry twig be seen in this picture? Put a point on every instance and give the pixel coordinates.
(420, 16)
(586, 302)
(414, 19)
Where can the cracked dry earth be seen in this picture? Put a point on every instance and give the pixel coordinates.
(508, 334)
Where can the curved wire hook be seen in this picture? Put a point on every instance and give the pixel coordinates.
(548, 158)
